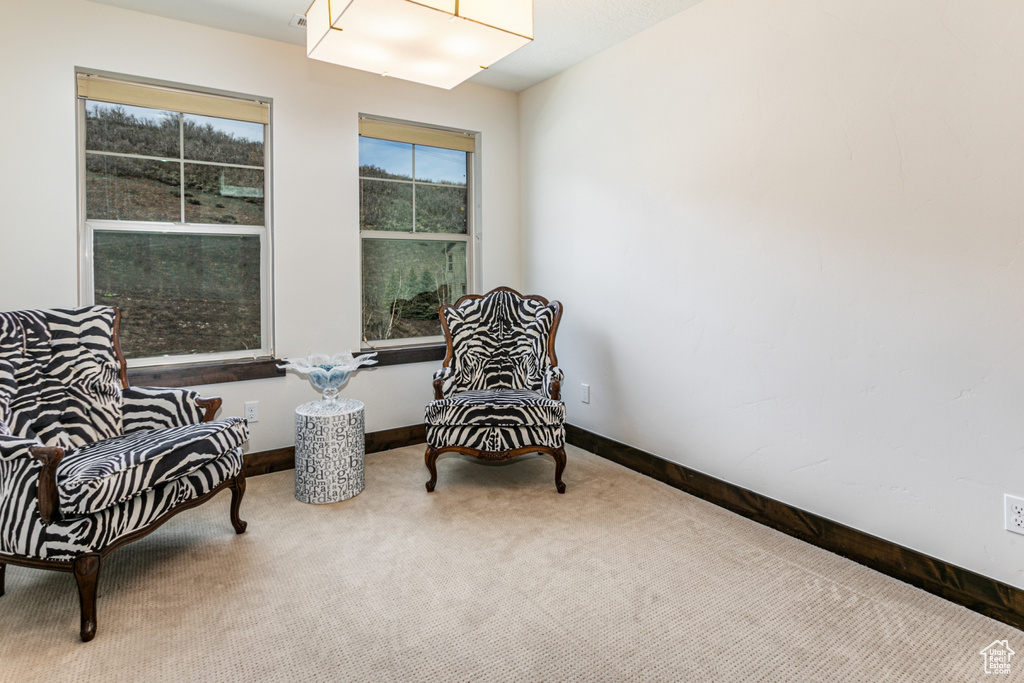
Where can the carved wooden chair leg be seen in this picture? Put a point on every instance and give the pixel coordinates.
(3, 572)
(559, 456)
(430, 457)
(87, 574)
(237, 486)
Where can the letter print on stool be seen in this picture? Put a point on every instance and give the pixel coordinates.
(330, 451)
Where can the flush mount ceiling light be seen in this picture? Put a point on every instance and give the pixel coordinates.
(436, 42)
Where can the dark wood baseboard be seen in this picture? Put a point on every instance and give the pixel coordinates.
(974, 591)
(279, 459)
(265, 462)
(387, 439)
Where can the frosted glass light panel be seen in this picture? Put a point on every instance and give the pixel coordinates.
(435, 42)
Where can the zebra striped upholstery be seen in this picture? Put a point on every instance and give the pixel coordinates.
(60, 375)
(87, 464)
(497, 395)
(494, 443)
(66, 374)
(109, 472)
(496, 408)
(499, 341)
(8, 387)
(72, 536)
(150, 408)
(64, 539)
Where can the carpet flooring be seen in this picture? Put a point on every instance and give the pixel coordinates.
(494, 577)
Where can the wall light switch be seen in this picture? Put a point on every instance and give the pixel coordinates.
(585, 393)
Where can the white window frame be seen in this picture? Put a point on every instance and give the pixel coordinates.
(472, 236)
(87, 227)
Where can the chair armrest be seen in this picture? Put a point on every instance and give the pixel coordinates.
(442, 381)
(46, 489)
(210, 406)
(553, 377)
(147, 408)
(22, 460)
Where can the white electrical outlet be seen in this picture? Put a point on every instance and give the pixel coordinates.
(1014, 513)
(252, 412)
(585, 393)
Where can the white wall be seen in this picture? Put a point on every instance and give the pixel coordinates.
(788, 238)
(315, 161)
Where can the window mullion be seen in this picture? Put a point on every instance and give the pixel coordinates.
(181, 165)
(415, 236)
(176, 228)
(146, 157)
(414, 188)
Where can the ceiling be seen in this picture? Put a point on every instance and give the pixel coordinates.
(566, 32)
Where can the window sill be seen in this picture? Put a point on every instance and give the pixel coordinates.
(172, 376)
(204, 373)
(408, 354)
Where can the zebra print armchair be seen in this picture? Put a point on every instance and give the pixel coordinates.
(497, 395)
(88, 463)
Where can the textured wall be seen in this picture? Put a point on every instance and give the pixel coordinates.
(316, 240)
(787, 235)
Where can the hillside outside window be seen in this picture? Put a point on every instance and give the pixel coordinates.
(415, 219)
(175, 220)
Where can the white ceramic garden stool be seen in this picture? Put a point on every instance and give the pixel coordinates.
(330, 451)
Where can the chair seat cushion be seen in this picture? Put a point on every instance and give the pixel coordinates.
(108, 472)
(495, 439)
(67, 538)
(496, 408)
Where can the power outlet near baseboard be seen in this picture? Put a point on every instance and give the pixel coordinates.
(1013, 507)
(252, 413)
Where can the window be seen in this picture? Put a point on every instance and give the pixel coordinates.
(415, 220)
(174, 218)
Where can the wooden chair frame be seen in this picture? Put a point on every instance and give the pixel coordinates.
(431, 455)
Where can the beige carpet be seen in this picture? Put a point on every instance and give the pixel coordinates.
(495, 577)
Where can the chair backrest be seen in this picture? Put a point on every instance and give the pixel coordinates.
(500, 340)
(61, 374)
